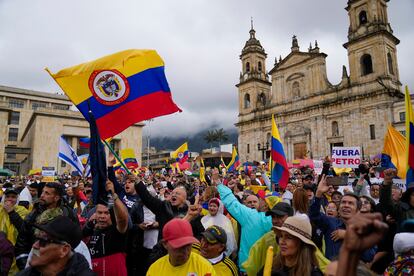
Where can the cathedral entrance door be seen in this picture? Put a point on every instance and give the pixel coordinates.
(299, 150)
(336, 145)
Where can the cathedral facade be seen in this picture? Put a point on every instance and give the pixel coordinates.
(312, 114)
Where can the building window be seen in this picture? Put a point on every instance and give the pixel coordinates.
(372, 131)
(246, 101)
(60, 106)
(402, 132)
(16, 103)
(247, 67)
(296, 89)
(262, 99)
(402, 116)
(14, 118)
(37, 105)
(335, 128)
(269, 138)
(62, 164)
(390, 67)
(363, 19)
(366, 64)
(248, 148)
(13, 132)
(10, 156)
(259, 66)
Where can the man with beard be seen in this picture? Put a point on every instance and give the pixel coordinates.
(49, 206)
(333, 228)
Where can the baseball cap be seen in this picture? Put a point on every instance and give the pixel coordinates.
(178, 233)
(62, 229)
(281, 209)
(215, 234)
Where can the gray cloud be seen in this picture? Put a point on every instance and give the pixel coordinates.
(200, 42)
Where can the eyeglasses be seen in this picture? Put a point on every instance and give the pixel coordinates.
(44, 242)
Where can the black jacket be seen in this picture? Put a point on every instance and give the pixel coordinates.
(77, 265)
(162, 209)
(25, 237)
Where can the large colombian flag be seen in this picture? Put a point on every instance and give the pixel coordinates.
(409, 134)
(120, 89)
(234, 162)
(280, 172)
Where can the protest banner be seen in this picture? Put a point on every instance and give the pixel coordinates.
(346, 157)
(48, 171)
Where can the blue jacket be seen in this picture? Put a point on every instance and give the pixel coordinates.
(329, 225)
(254, 224)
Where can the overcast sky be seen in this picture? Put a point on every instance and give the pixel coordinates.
(199, 40)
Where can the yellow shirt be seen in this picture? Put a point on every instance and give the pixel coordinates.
(195, 266)
(226, 267)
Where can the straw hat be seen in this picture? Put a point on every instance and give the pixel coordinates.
(298, 226)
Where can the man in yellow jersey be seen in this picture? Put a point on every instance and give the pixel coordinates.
(213, 245)
(177, 240)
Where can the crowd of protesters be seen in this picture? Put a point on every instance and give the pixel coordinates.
(171, 223)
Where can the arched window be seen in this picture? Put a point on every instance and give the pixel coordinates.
(247, 67)
(366, 64)
(246, 101)
(259, 66)
(335, 128)
(296, 89)
(390, 67)
(262, 99)
(363, 19)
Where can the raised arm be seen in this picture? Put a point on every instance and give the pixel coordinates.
(315, 209)
(121, 212)
(152, 203)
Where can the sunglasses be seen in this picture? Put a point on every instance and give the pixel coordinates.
(44, 242)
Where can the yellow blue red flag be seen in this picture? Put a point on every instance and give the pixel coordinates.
(280, 172)
(234, 162)
(409, 134)
(120, 89)
(394, 152)
(181, 154)
(128, 156)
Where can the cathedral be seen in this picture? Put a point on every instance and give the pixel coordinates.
(312, 114)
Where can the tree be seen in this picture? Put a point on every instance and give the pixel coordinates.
(210, 137)
(221, 135)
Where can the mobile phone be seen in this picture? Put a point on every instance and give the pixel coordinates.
(337, 180)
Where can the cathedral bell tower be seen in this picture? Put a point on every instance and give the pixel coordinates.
(254, 86)
(371, 45)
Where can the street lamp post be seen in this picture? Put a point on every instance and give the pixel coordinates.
(263, 149)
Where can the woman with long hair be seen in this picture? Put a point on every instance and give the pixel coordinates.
(297, 251)
(300, 201)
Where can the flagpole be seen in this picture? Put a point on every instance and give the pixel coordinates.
(117, 157)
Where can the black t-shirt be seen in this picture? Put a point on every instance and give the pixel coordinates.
(105, 242)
